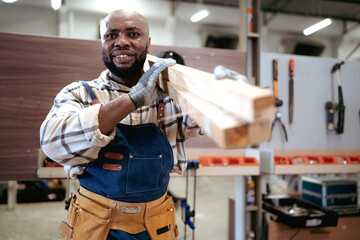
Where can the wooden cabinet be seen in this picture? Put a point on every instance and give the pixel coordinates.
(347, 228)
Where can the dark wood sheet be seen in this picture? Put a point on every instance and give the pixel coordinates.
(34, 69)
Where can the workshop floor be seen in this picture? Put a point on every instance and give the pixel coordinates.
(40, 221)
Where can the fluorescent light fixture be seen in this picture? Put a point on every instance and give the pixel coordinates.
(199, 15)
(56, 4)
(9, 1)
(317, 26)
(108, 6)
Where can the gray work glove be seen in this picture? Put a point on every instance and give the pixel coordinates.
(144, 92)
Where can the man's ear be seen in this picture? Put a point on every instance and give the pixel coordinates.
(148, 45)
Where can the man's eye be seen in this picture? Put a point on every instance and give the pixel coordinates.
(111, 35)
(134, 34)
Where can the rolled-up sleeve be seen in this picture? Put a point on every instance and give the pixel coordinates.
(70, 133)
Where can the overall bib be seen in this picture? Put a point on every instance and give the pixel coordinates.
(123, 192)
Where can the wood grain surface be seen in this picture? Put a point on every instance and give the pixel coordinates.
(33, 69)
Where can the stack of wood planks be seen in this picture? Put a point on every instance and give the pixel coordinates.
(232, 113)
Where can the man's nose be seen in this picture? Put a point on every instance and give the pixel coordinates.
(122, 41)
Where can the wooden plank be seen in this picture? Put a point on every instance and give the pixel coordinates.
(227, 130)
(222, 124)
(248, 102)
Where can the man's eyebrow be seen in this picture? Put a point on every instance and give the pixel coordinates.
(133, 28)
(114, 30)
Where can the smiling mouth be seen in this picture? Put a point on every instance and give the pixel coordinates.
(122, 58)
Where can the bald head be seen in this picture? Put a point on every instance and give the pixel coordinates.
(124, 15)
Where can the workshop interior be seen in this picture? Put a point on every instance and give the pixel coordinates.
(281, 158)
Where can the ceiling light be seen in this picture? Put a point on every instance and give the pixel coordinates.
(199, 15)
(56, 4)
(317, 26)
(9, 1)
(108, 6)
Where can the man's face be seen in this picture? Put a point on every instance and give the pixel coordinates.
(125, 43)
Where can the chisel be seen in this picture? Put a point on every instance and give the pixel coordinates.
(278, 102)
(291, 90)
(341, 113)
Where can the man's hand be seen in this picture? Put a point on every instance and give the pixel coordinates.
(144, 92)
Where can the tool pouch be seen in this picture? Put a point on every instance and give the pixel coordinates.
(160, 221)
(86, 220)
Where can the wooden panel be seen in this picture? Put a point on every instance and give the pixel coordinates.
(347, 228)
(206, 59)
(33, 70)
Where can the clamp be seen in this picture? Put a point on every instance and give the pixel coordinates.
(186, 213)
(278, 119)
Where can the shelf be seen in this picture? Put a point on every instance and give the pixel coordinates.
(228, 171)
(253, 35)
(51, 172)
(58, 172)
(316, 169)
(48, 172)
(267, 161)
(251, 208)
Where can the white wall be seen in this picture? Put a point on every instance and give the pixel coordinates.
(314, 85)
(86, 25)
(28, 20)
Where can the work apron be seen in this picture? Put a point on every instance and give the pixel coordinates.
(123, 191)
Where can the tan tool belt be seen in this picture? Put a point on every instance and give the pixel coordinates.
(91, 216)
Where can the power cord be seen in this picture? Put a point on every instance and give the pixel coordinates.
(297, 231)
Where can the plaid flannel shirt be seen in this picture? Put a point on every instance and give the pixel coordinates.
(70, 133)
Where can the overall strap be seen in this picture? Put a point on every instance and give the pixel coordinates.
(160, 110)
(91, 93)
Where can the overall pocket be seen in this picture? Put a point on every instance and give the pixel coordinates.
(143, 173)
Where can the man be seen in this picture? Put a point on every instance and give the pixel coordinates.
(123, 149)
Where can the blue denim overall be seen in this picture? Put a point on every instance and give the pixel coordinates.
(133, 167)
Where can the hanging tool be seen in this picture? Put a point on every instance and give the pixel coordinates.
(333, 107)
(278, 102)
(291, 90)
(187, 214)
(278, 119)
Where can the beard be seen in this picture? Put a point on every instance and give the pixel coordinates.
(126, 72)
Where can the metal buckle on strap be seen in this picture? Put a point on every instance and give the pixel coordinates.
(130, 209)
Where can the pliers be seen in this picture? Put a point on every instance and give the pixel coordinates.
(278, 119)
